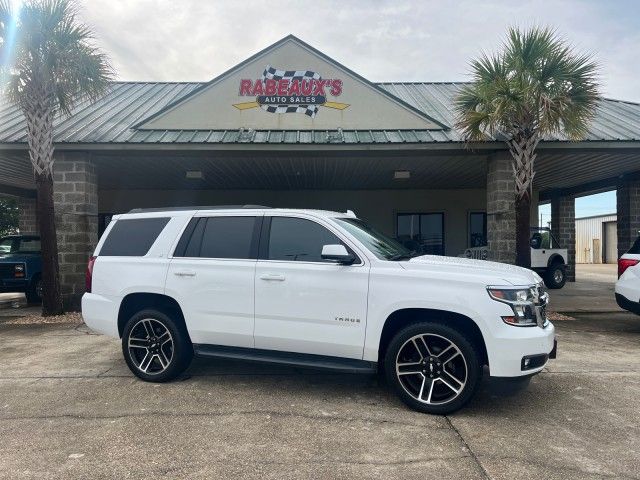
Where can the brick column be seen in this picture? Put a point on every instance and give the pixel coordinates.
(27, 221)
(563, 227)
(76, 209)
(628, 207)
(501, 213)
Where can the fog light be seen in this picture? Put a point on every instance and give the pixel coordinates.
(533, 361)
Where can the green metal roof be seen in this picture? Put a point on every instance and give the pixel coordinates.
(112, 120)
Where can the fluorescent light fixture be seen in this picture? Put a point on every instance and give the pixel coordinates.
(195, 174)
(401, 174)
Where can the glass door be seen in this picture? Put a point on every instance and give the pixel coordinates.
(421, 232)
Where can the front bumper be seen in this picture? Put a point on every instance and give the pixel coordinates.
(14, 285)
(508, 350)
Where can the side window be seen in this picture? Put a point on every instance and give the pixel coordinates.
(133, 237)
(298, 239)
(218, 237)
(228, 237)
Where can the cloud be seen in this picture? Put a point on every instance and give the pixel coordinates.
(187, 40)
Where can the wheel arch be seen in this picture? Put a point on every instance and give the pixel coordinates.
(406, 316)
(555, 259)
(135, 302)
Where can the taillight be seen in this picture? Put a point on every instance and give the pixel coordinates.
(625, 263)
(89, 274)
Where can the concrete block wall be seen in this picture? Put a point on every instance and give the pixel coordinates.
(76, 208)
(27, 219)
(563, 226)
(628, 206)
(501, 213)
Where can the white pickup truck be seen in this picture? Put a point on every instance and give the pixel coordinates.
(315, 289)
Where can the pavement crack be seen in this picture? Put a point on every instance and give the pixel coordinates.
(475, 458)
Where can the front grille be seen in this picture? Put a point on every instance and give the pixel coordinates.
(7, 270)
(541, 299)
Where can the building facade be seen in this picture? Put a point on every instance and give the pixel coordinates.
(292, 127)
(597, 239)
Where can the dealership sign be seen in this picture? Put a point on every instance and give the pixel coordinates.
(290, 91)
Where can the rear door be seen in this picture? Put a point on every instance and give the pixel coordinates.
(211, 275)
(303, 303)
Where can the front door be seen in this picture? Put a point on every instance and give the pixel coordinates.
(303, 303)
(211, 275)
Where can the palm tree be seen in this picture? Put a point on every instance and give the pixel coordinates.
(536, 86)
(48, 64)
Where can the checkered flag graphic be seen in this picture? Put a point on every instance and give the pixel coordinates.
(275, 74)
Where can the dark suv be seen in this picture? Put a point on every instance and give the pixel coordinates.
(21, 266)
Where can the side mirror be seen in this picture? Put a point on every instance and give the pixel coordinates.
(337, 253)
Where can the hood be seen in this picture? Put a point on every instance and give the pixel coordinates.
(17, 257)
(489, 273)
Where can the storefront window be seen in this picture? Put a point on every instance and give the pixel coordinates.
(477, 229)
(422, 233)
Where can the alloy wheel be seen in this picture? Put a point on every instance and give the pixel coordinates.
(557, 275)
(431, 368)
(150, 346)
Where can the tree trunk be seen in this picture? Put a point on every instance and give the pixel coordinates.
(38, 111)
(522, 150)
(523, 231)
(51, 295)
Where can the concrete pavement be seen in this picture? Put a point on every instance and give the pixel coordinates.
(69, 408)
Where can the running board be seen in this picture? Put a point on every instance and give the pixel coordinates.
(346, 365)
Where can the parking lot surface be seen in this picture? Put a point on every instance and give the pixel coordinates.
(69, 408)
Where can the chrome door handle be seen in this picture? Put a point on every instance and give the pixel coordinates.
(185, 273)
(272, 276)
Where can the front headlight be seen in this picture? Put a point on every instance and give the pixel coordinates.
(521, 300)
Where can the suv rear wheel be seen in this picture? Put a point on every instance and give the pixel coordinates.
(433, 368)
(155, 348)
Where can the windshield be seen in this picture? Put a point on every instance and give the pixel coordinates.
(5, 245)
(381, 246)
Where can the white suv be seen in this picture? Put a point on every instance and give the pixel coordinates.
(316, 289)
(628, 284)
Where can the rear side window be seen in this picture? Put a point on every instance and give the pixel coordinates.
(219, 237)
(299, 240)
(132, 237)
(635, 248)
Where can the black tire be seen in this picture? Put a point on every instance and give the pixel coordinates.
(465, 348)
(555, 277)
(34, 292)
(181, 352)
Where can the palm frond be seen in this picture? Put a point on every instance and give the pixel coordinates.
(53, 55)
(537, 83)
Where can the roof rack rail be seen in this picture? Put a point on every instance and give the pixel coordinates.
(196, 207)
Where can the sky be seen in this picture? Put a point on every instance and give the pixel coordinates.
(195, 40)
(399, 40)
(599, 204)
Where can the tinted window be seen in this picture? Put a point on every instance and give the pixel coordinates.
(477, 229)
(227, 237)
(132, 237)
(422, 233)
(297, 239)
(635, 248)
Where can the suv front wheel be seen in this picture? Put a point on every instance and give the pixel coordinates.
(433, 368)
(155, 348)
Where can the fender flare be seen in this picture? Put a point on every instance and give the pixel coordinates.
(555, 258)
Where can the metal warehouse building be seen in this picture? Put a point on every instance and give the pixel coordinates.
(597, 239)
(290, 126)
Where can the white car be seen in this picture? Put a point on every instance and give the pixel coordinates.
(628, 284)
(315, 289)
